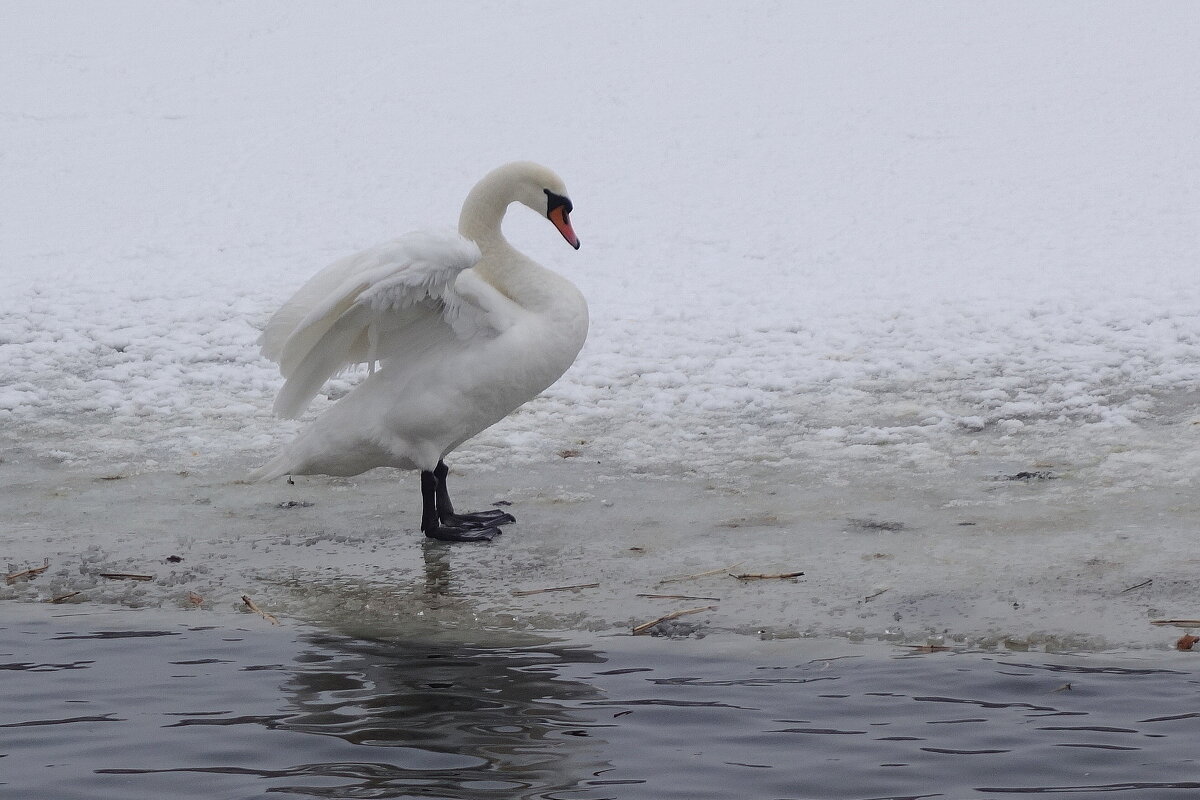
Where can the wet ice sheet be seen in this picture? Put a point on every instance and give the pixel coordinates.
(97, 706)
(991, 557)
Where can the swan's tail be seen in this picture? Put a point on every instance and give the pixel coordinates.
(277, 467)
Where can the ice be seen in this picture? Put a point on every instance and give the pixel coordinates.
(825, 251)
(983, 559)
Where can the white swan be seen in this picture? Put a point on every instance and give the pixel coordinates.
(464, 329)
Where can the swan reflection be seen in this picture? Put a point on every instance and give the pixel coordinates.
(441, 720)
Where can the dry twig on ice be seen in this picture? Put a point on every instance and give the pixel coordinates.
(12, 577)
(759, 576)
(528, 592)
(699, 574)
(250, 604)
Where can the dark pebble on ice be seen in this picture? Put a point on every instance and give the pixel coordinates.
(1040, 475)
(672, 629)
(876, 524)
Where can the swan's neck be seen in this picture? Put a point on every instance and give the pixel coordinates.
(502, 265)
(482, 213)
(521, 279)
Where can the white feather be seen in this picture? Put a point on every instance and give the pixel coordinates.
(381, 291)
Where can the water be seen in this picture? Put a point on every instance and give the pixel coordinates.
(120, 706)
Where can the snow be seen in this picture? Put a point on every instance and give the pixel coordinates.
(839, 242)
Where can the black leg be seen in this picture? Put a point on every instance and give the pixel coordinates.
(444, 506)
(445, 509)
(429, 517)
(439, 521)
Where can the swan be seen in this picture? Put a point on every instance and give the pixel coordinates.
(464, 329)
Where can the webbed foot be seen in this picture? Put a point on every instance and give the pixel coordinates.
(480, 519)
(452, 533)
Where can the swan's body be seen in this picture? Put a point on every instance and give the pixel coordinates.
(464, 328)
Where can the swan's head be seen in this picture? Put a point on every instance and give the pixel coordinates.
(544, 192)
(531, 185)
(558, 211)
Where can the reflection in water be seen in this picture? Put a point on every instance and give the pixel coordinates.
(438, 721)
(221, 713)
(437, 569)
(325, 716)
(471, 722)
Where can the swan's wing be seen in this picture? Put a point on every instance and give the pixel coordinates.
(316, 291)
(335, 284)
(400, 273)
(408, 283)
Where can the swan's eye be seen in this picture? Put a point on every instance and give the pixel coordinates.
(554, 201)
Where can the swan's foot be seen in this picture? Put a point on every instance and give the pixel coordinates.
(451, 533)
(480, 519)
(439, 521)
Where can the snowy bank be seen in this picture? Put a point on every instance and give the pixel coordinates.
(823, 246)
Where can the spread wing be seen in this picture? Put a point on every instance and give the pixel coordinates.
(419, 282)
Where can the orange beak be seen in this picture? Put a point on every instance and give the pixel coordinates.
(561, 221)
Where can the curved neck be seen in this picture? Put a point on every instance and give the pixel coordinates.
(482, 213)
(514, 274)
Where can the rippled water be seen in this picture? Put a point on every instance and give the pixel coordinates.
(91, 711)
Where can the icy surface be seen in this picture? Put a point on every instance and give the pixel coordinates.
(826, 250)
